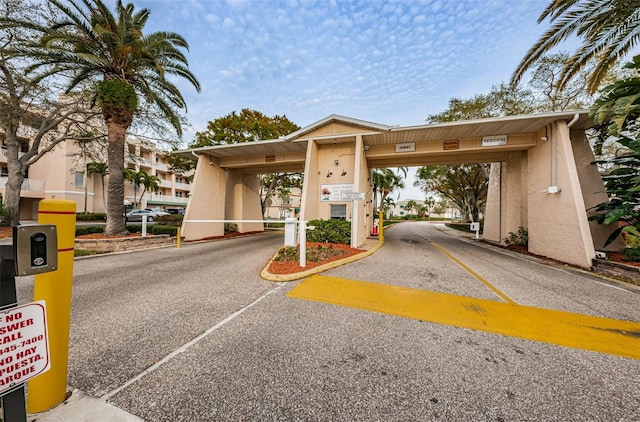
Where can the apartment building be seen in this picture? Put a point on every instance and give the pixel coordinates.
(60, 174)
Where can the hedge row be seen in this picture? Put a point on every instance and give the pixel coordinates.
(91, 216)
(330, 231)
(132, 228)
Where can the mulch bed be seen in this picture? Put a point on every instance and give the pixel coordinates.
(293, 266)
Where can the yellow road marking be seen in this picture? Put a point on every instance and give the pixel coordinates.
(473, 273)
(621, 338)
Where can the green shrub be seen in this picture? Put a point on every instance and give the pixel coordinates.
(287, 254)
(330, 231)
(5, 216)
(632, 241)
(136, 228)
(80, 230)
(170, 230)
(169, 220)
(91, 216)
(521, 238)
(230, 227)
(632, 254)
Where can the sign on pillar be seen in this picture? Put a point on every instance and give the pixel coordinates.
(24, 345)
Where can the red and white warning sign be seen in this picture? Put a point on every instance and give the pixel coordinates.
(24, 346)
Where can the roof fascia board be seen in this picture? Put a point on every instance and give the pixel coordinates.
(336, 118)
(346, 135)
(557, 115)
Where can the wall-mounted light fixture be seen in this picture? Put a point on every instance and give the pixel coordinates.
(366, 147)
(344, 173)
(336, 162)
(329, 174)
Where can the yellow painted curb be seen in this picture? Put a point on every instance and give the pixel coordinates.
(265, 274)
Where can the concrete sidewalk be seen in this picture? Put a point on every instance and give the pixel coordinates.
(82, 408)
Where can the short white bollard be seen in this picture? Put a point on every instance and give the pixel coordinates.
(144, 226)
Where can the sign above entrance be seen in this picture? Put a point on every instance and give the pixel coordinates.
(333, 193)
(269, 158)
(24, 347)
(352, 196)
(450, 144)
(407, 147)
(494, 141)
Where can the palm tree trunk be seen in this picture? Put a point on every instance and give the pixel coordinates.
(115, 202)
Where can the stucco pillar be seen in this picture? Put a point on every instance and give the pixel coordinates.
(493, 210)
(360, 184)
(557, 222)
(310, 186)
(506, 208)
(243, 200)
(207, 200)
(593, 191)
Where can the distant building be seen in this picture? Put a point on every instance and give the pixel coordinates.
(60, 174)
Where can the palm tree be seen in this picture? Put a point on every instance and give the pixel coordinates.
(387, 205)
(135, 178)
(150, 182)
(386, 181)
(410, 206)
(102, 170)
(109, 54)
(608, 29)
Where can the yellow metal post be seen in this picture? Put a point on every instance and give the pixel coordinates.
(49, 389)
(178, 237)
(381, 228)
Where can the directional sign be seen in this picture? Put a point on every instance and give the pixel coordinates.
(352, 196)
(24, 346)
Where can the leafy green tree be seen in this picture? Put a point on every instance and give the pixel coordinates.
(273, 183)
(101, 169)
(110, 55)
(617, 114)
(246, 126)
(252, 126)
(466, 186)
(33, 120)
(608, 30)
(502, 100)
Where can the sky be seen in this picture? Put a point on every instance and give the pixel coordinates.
(389, 62)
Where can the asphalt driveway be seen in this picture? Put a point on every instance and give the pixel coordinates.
(193, 334)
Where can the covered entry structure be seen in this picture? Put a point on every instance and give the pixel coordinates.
(542, 177)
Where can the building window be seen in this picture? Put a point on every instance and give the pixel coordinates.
(4, 171)
(338, 212)
(79, 179)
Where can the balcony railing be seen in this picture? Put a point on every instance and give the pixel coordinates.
(183, 186)
(166, 199)
(161, 166)
(164, 183)
(27, 184)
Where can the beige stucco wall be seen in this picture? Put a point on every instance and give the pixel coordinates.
(207, 201)
(492, 229)
(57, 168)
(310, 184)
(557, 223)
